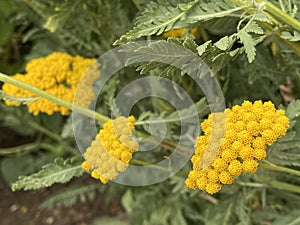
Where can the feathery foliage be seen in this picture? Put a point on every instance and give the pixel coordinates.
(60, 171)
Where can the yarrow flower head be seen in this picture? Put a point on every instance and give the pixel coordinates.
(249, 129)
(58, 74)
(112, 149)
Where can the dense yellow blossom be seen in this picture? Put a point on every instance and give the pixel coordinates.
(58, 74)
(84, 94)
(112, 149)
(174, 33)
(249, 128)
(180, 32)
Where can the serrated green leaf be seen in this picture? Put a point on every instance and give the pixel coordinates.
(249, 45)
(285, 159)
(202, 48)
(205, 11)
(60, 171)
(253, 27)
(295, 36)
(167, 53)
(290, 135)
(293, 109)
(225, 43)
(157, 17)
(189, 43)
(162, 16)
(263, 17)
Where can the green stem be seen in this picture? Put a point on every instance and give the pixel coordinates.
(269, 183)
(51, 135)
(143, 163)
(254, 185)
(293, 45)
(279, 168)
(18, 149)
(284, 186)
(87, 112)
(45, 131)
(280, 15)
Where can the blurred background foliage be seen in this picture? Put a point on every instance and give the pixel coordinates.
(34, 28)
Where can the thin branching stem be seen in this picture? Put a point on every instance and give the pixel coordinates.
(279, 168)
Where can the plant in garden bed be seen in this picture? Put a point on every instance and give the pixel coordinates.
(251, 46)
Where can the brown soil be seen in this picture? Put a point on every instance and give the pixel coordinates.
(22, 208)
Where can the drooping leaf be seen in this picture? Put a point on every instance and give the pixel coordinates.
(225, 43)
(249, 45)
(253, 27)
(60, 171)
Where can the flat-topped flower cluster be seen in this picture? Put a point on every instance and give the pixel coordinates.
(57, 74)
(249, 129)
(112, 149)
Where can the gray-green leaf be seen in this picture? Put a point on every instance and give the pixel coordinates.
(60, 171)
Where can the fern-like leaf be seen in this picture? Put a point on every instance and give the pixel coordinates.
(60, 171)
(166, 53)
(156, 18)
(249, 44)
(162, 16)
(291, 36)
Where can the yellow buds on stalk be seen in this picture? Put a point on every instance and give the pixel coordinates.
(112, 149)
(58, 74)
(174, 33)
(249, 129)
(179, 33)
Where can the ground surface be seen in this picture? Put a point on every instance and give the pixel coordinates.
(18, 208)
(22, 208)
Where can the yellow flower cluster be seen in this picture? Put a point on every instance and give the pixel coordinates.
(179, 33)
(58, 74)
(84, 94)
(112, 149)
(248, 130)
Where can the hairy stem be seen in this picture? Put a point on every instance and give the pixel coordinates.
(279, 168)
(280, 15)
(143, 163)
